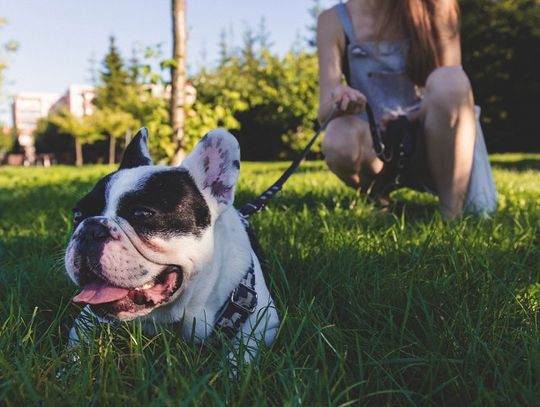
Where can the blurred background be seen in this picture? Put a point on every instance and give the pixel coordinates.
(78, 78)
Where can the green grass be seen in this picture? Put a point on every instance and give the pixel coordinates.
(377, 308)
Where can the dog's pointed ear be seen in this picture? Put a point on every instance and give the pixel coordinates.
(214, 165)
(136, 153)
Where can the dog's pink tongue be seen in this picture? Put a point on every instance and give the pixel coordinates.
(100, 292)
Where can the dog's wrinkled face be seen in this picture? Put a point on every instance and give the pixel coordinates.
(143, 231)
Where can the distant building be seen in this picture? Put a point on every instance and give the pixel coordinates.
(78, 100)
(28, 108)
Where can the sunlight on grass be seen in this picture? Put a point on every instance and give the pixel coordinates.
(380, 308)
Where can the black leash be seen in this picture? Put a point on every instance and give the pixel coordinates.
(260, 202)
(243, 300)
(385, 151)
(378, 145)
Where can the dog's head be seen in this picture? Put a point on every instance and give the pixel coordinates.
(143, 231)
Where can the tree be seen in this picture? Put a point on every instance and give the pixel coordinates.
(114, 123)
(80, 128)
(224, 50)
(128, 96)
(271, 101)
(7, 141)
(178, 77)
(314, 12)
(113, 79)
(50, 140)
(5, 49)
(114, 86)
(146, 100)
(263, 36)
(501, 54)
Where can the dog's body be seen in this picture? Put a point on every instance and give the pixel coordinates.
(165, 244)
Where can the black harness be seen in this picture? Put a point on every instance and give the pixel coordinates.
(241, 304)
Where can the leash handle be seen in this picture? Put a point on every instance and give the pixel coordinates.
(260, 202)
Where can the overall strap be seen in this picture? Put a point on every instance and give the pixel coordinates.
(346, 22)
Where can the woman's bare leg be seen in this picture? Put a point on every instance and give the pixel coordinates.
(348, 151)
(450, 130)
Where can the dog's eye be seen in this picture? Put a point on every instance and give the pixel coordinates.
(142, 213)
(77, 215)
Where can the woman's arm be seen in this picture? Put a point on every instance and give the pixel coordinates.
(451, 51)
(330, 51)
(448, 16)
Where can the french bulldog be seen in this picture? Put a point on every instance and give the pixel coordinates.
(165, 245)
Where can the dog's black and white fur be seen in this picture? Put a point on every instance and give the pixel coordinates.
(165, 244)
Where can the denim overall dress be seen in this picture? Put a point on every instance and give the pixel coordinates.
(378, 70)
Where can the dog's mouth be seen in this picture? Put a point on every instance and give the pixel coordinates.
(108, 300)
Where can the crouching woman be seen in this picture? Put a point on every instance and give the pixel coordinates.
(404, 57)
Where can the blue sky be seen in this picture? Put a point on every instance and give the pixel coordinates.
(58, 37)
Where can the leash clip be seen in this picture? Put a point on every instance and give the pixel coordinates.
(378, 149)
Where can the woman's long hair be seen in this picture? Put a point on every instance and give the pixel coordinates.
(423, 23)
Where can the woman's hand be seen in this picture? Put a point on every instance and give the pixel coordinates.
(348, 100)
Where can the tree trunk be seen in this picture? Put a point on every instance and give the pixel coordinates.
(78, 153)
(112, 149)
(178, 77)
(128, 137)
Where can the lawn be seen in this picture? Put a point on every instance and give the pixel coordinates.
(377, 308)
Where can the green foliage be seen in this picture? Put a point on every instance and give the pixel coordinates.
(314, 12)
(138, 101)
(114, 123)
(501, 45)
(113, 79)
(124, 103)
(152, 112)
(5, 49)
(81, 128)
(273, 99)
(202, 118)
(377, 308)
(7, 140)
(268, 101)
(49, 139)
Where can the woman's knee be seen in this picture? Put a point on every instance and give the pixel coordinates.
(342, 142)
(448, 88)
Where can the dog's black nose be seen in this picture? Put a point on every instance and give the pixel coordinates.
(95, 230)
